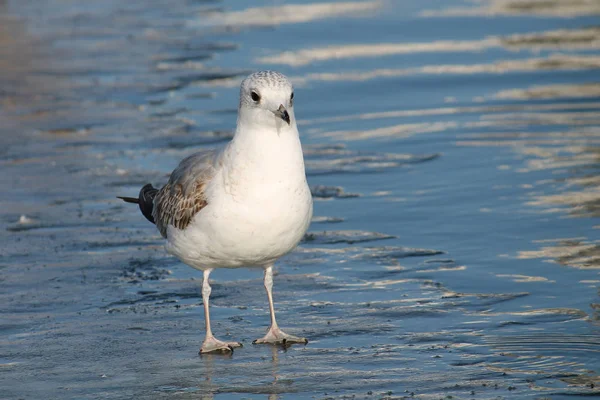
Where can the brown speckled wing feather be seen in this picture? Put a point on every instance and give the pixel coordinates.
(184, 195)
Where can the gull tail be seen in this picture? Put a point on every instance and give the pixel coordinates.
(145, 200)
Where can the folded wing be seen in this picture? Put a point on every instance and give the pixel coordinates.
(184, 195)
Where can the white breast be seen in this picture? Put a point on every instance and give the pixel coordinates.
(254, 233)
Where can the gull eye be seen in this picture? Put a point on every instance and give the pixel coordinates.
(292, 98)
(255, 96)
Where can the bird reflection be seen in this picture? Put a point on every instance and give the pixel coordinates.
(216, 364)
(275, 370)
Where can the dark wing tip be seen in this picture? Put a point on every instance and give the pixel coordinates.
(129, 199)
(145, 201)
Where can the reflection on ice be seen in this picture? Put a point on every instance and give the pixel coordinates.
(400, 130)
(577, 252)
(554, 62)
(289, 13)
(585, 90)
(484, 110)
(307, 56)
(554, 8)
(564, 40)
(525, 278)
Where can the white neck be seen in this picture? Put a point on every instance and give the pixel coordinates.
(266, 153)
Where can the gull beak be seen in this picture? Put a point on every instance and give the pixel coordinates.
(282, 113)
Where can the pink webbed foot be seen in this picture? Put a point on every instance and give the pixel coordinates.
(211, 344)
(277, 336)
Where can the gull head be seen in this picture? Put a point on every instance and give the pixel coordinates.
(267, 100)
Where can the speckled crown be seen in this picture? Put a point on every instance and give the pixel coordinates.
(261, 79)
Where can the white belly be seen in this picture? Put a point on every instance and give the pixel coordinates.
(251, 231)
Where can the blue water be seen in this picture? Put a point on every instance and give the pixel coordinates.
(452, 149)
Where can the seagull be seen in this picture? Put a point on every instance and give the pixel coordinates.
(245, 205)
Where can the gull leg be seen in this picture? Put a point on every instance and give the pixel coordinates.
(274, 334)
(211, 343)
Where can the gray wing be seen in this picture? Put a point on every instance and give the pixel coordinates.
(183, 196)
